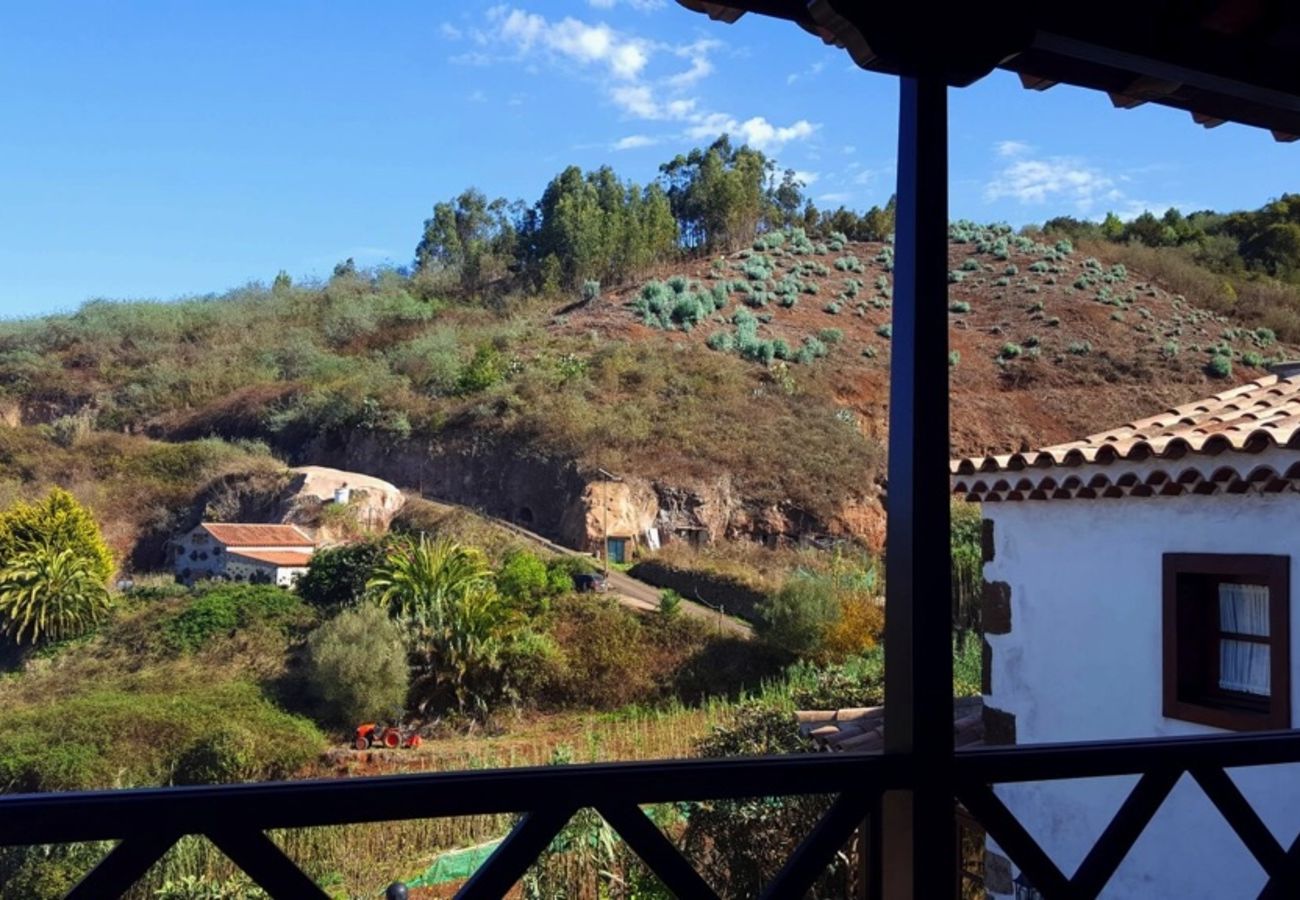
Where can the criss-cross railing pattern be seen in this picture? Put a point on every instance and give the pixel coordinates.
(145, 823)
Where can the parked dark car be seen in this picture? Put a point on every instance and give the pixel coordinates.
(589, 582)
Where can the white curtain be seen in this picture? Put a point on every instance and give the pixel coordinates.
(1244, 665)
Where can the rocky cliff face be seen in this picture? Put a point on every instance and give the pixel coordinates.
(554, 497)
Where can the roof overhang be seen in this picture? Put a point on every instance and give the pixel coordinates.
(1220, 60)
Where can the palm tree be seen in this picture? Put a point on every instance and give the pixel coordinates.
(50, 593)
(457, 623)
(418, 581)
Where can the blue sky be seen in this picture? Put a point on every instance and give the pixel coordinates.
(160, 149)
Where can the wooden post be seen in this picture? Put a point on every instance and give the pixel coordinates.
(918, 827)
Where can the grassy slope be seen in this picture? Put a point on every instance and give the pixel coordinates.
(595, 384)
(1045, 395)
(139, 489)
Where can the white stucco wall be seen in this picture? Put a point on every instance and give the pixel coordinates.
(1083, 662)
(246, 570)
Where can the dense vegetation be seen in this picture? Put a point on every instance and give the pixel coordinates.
(1245, 264)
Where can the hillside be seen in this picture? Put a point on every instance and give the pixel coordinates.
(1048, 343)
(743, 393)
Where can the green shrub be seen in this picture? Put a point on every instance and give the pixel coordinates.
(885, 331)
(833, 308)
(870, 352)
(134, 732)
(590, 290)
(604, 667)
(670, 604)
(721, 340)
(1219, 366)
(742, 843)
(1253, 359)
(522, 578)
(60, 522)
(956, 277)
(1009, 351)
(336, 576)
(50, 593)
(798, 617)
(954, 358)
(485, 369)
(959, 306)
(357, 666)
(1080, 348)
(224, 608)
(830, 335)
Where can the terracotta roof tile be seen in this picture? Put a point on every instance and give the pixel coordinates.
(1249, 418)
(245, 535)
(862, 729)
(287, 558)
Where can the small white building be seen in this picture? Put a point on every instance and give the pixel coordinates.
(1138, 583)
(254, 553)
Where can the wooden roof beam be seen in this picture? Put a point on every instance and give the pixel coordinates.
(1034, 83)
(1203, 71)
(1143, 89)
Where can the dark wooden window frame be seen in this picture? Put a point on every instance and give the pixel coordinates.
(1193, 645)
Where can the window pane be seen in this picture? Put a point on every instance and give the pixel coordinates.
(1243, 608)
(1244, 666)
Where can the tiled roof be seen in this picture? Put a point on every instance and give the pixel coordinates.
(241, 535)
(862, 729)
(1181, 443)
(286, 558)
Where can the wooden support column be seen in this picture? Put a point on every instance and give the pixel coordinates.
(918, 829)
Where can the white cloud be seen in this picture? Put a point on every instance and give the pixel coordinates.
(638, 5)
(625, 61)
(1012, 148)
(1131, 209)
(1057, 178)
(849, 149)
(808, 178)
(569, 39)
(701, 66)
(639, 101)
(450, 31)
(835, 197)
(811, 72)
(634, 141)
(477, 97)
(757, 131)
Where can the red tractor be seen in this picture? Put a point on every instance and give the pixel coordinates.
(391, 737)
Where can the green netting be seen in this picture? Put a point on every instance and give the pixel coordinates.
(454, 866)
(458, 865)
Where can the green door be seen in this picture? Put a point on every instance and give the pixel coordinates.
(616, 550)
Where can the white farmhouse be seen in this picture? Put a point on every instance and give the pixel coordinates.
(1138, 583)
(258, 554)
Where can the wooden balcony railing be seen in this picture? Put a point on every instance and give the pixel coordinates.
(147, 822)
